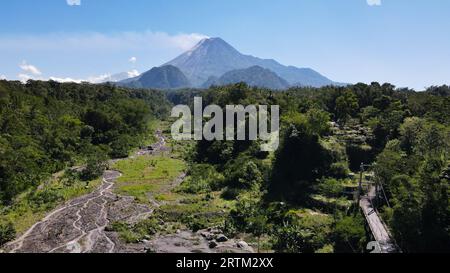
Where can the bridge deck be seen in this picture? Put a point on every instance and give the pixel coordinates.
(378, 229)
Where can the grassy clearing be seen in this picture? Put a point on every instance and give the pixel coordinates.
(145, 229)
(168, 197)
(31, 206)
(147, 174)
(197, 211)
(328, 203)
(151, 175)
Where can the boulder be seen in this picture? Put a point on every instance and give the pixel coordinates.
(242, 244)
(221, 238)
(213, 244)
(149, 250)
(207, 235)
(215, 231)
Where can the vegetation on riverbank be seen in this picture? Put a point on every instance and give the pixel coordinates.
(32, 205)
(48, 127)
(326, 134)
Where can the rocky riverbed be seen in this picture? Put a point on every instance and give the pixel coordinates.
(80, 226)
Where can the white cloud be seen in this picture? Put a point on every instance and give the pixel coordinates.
(29, 75)
(28, 68)
(133, 73)
(147, 40)
(2, 77)
(100, 78)
(30, 72)
(89, 46)
(56, 79)
(24, 77)
(374, 2)
(133, 60)
(92, 79)
(73, 2)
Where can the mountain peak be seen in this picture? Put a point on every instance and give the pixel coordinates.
(211, 40)
(212, 44)
(213, 57)
(210, 57)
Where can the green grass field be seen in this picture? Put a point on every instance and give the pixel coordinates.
(152, 176)
(147, 174)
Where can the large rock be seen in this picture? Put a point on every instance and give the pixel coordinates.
(221, 238)
(214, 230)
(213, 244)
(207, 235)
(242, 244)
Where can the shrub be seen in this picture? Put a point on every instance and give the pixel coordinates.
(339, 170)
(202, 179)
(305, 234)
(94, 168)
(230, 193)
(243, 173)
(196, 222)
(7, 233)
(349, 234)
(331, 187)
(149, 226)
(45, 199)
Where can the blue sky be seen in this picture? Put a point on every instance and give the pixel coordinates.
(405, 42)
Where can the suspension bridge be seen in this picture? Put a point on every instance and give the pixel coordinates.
(378, 229)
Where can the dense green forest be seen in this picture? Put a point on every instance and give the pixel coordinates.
(294, 200)
(295, 196)
(48, 126)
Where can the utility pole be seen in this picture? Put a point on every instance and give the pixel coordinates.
(376, 193)
(361, 171)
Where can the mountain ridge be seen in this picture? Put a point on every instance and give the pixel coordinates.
(215, 57)
(163, 77)
(213, 61)
(253, 76)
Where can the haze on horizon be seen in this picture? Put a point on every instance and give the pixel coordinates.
(404, 42)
